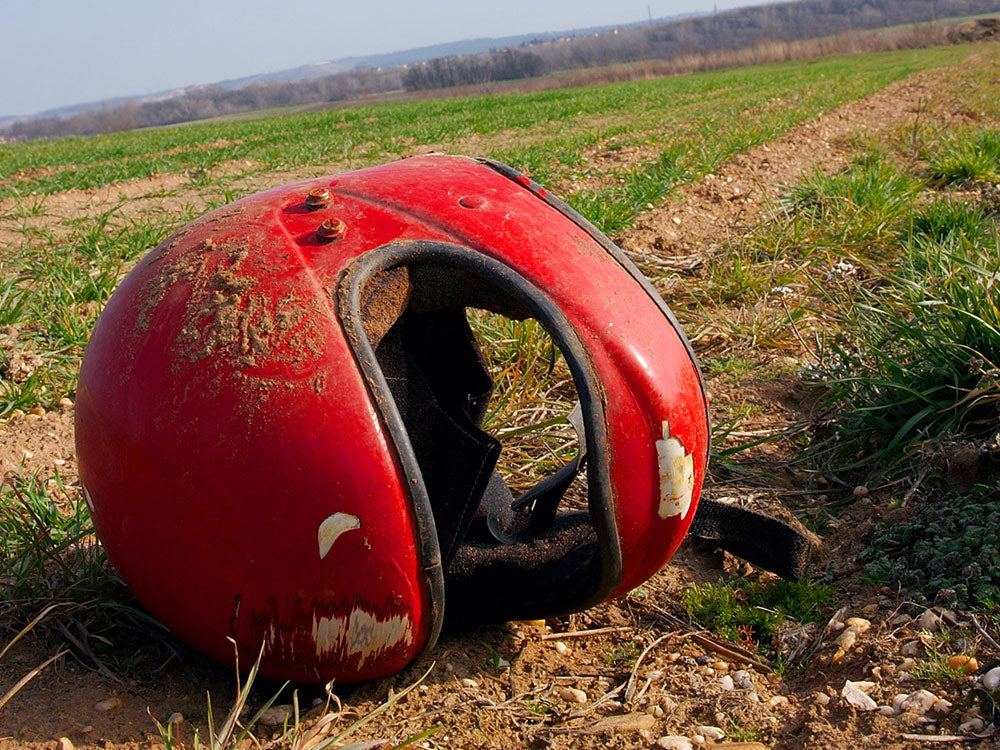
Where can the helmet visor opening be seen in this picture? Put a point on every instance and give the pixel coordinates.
(512, 541)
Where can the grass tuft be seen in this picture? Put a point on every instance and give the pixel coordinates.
(750, 613)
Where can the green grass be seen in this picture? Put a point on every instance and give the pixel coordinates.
(750, 613)
(918, 347)
(967, 157)
(515, 127)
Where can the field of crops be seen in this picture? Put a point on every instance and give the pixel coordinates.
(825, 231)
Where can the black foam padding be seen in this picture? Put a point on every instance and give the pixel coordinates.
(441, 389)
(546, 575)
(499, 563)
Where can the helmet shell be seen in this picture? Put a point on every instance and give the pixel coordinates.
(240, 468)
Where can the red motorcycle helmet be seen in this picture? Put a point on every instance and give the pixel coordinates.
(278, 420)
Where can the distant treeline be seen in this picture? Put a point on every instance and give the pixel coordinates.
(706, 37)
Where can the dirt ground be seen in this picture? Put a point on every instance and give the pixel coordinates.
(676, 685)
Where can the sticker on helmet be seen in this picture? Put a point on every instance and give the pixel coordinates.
(331, 529)
(363, 633)
(676, 475)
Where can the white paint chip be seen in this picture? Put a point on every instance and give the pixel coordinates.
(676, 468)
(331, 529)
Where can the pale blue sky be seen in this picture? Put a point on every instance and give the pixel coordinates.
(61, 52)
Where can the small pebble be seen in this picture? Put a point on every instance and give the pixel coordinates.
(836, 626)
(562, 648)
(703, 659)
(941, 706)
(63, 743)
(502, 664)
(822, 698)
(753, 697)
(720, 666)
(572, 695)
(869, 609)
(964, 664)
(972, 726)
(37, 410)
(860, 491)
(919, 702)
(900, 620)
(887, 710)
(657, 712)
(469, 682)
(991, 680)
(108, 704)
(673, 742)
(711, 732)
(276, 716)
(65, 403)
(907, 665)
(698, 739)
(178, 718)
(778, 700)
(912, 648)
(855, 694)
(847, 638)
(727, 683)
(929, 620)
(860, 624)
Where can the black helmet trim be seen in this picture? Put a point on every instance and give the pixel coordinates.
(518, 298)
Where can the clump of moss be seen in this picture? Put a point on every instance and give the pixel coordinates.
(751, 612)
(949, 551)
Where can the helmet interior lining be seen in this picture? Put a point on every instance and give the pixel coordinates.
(410, 308)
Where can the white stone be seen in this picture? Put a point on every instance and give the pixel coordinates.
(572, 695)
(854, 693)
(972, 726)
(941, 706)
(711, 732)
(727, 683)
(673, 742)
(858, 623)
(778, 700)
(469, 683)
(991, 680)
(919, 702)
(929, 620)
(276, 716)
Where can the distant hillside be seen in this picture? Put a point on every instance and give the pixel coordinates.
(522, 57)
(334, 67)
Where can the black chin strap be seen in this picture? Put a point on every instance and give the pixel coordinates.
(759, 539)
